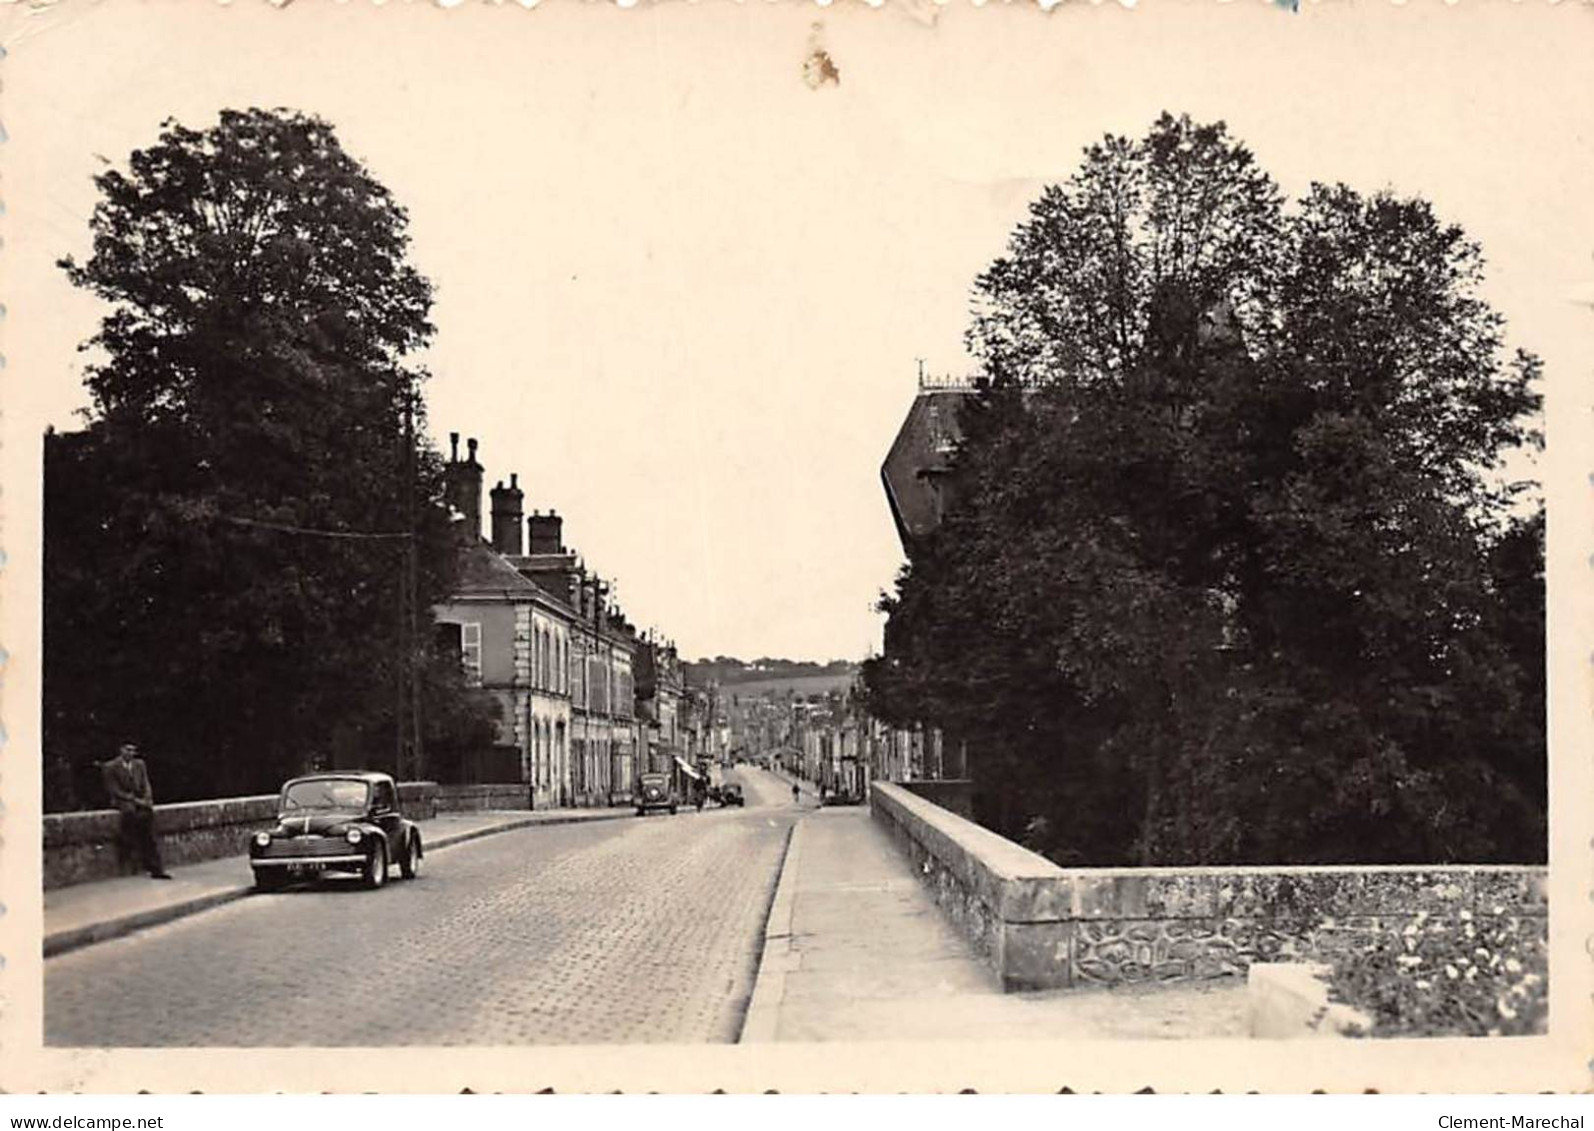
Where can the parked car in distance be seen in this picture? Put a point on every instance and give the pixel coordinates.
(731, 794)
(654, 792)
(336, 822)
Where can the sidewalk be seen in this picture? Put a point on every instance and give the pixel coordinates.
(856, 950)
(84, 914)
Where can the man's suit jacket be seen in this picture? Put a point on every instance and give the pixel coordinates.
(128, 784)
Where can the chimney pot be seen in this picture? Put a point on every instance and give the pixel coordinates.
(470, 444)
(463, 486)
(506, 519)
(514, 479)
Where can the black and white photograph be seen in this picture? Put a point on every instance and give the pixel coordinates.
(796, 547)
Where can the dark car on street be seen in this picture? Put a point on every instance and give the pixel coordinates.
(731, 794)
(655, 792)
(336, 822)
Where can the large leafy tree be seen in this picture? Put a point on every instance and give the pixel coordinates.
(1232, 573)
(226, 575)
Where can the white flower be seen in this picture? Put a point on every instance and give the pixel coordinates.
(1505, 1009)
(1465, 914)
(1411, 929)
(1424, 985)
(1513, 966)
(1499, 910)
(1480, 952)
(1451, 971)
(1409, 960)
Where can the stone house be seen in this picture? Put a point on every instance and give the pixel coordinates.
(537, 632)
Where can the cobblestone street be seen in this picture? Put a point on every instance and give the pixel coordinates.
(618, 931)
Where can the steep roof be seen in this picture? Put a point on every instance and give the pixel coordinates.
(483, 572)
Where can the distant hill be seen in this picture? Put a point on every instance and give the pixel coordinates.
(767, 676)
(799, 686)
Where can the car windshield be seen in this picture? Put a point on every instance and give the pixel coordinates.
(326, 793)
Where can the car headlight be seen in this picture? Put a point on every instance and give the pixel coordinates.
(353, 836)
(262, 840)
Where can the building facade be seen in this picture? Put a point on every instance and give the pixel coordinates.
(538, 632)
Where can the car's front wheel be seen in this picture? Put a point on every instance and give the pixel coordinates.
(376, 866)
(270, 879)
(410, 866)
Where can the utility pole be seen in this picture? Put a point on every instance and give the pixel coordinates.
(412, 590)
(401, 626)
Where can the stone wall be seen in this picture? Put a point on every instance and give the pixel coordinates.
(1043, 926)
(476, 798)
(81, 847)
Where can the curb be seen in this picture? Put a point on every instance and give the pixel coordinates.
(769, 986)
(526, 822)
(75, 938)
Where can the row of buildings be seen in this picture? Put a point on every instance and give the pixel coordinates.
(831, 741)
(587, 702)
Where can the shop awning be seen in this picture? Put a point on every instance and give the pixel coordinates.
(686, 768)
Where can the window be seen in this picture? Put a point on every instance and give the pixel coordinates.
(470, 652)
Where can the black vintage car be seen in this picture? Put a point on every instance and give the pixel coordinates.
(337, 822)
(731, 794)
(655, 792)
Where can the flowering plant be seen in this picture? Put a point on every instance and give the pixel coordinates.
(1480, 974)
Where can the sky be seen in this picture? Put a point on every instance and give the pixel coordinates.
(683, 294)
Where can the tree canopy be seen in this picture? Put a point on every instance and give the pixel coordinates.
(1231, 571)
(226, 539)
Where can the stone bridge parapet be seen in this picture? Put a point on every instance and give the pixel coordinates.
(83, 846)
(480, 798)
(1041, 926)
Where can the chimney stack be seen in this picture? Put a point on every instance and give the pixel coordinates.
(546, 533)
(462, 485)
(506, 503)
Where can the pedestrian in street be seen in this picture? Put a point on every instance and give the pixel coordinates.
(127, 784)
(796, 794)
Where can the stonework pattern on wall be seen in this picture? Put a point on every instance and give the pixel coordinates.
(1040, 925)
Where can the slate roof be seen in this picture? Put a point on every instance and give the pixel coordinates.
(483, 572)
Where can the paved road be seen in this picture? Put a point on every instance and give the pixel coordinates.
(630, 930)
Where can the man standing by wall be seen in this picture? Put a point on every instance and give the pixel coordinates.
(127, 783)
